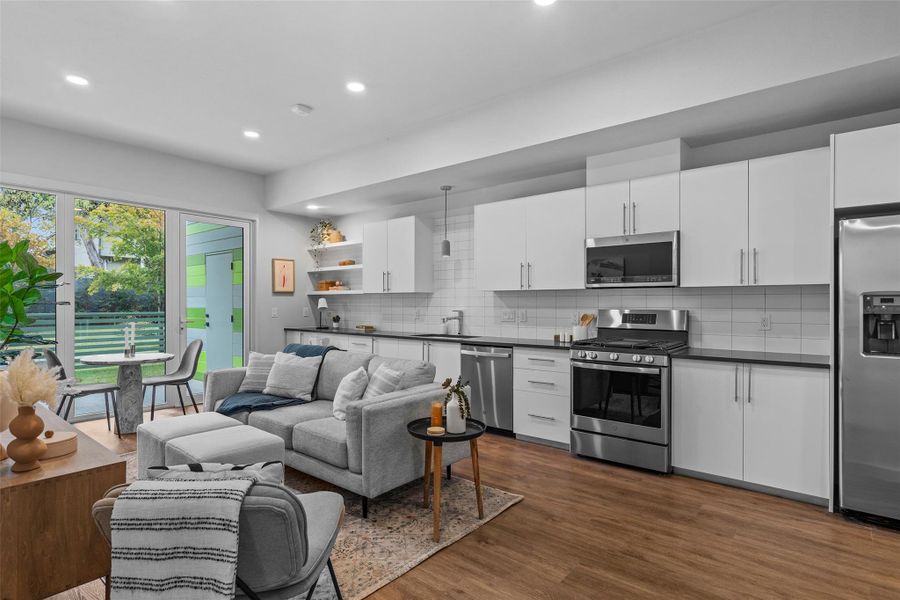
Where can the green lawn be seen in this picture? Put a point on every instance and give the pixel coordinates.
(87, 374)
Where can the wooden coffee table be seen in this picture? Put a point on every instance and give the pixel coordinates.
(50, 541)
(434, 446)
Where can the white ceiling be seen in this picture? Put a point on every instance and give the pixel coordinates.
(188, 77)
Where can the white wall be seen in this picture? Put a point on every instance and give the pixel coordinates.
(778, 45)
(41, 157)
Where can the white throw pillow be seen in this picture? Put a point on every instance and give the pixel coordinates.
(350, 389)
(383, 381)
(258, 368)
(292, 376)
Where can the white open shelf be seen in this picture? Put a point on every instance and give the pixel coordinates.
(335, 293)
(356, 267)
(347, 244)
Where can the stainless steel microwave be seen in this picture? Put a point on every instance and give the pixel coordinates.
(640, 260)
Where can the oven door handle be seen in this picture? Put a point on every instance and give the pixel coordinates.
(616, 368)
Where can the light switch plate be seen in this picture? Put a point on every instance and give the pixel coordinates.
(523, 316)
(765, 324)
(508, 316)
(305, 311)
(274, 312)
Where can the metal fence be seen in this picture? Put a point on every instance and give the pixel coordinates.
(101, 332)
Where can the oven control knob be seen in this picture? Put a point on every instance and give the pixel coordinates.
(582, 354)
(648, 359)
(613, 356)
(636, 358)
(593, 356)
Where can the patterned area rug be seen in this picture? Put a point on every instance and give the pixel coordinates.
(370, 553)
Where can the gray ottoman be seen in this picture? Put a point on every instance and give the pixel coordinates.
(152, 437)
(239, 445)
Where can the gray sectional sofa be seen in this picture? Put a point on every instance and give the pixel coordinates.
(371, 452)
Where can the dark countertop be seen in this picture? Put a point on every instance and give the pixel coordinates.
(478, 341)
(814, 361)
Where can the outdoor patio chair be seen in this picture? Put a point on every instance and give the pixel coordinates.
(181, 377)
(77, 390)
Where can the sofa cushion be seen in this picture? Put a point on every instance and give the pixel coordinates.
(414, 372)
(383, 381)
(281, 421)
(238, 445)
(351, 389)
(292, 376)
(239, 416)
(323, 439)
(335, 366)
(258, 368)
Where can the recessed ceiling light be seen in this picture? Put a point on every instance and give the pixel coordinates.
(544, 2)
(77, 80)
(356, 86)
(302, 110)
(249, 133)
(313, 207)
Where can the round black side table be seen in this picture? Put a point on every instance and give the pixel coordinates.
(419, 429)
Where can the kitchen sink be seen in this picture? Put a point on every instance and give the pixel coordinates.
(446, 335)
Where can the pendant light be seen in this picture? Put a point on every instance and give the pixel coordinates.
(445, 245)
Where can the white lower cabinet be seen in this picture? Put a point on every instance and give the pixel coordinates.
(446, 359)
(325, 338)
(541, 387)
(360, 343)
(762, 424)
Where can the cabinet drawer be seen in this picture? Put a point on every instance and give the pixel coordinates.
(356, 343)
(293, 337)
(542, 382)
(541, 416)
(542, 360)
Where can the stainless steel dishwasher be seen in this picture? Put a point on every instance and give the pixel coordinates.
(489, 371)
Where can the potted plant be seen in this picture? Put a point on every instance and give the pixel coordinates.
(21, 282)
(457, 403)
(22, 386)
(336, 322)
(318, 236)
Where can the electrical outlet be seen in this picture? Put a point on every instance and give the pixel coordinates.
(418, 314)
(274, 312)
(523, 316)
(305, 311)
(765, 324)
(508, 316)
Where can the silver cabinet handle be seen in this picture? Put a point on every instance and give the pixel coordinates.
(383, 281)
(521, 276)
(541, 417)
(537, 381)
(735, 384)
(755, 266)
(549, 360)
(624, 227)
(749, 382)
(634, 217)
(388, 281)
(742, 265)
(529, 276)
(483, 354)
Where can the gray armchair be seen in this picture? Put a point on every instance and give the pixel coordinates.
(285, 540)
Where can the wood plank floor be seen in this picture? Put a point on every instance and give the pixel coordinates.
(592, 530)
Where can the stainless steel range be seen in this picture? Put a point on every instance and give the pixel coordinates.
(621, 387)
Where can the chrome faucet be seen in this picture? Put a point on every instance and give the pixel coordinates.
(455, 315)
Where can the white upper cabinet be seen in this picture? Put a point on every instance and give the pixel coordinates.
(790, 219)
(500, 246)
(654, 203)
(714, 225)
(555, 241)
(397, 256)
(606, 209)
(375, 257)
(531, 243)
(867, 166)
(646, 205)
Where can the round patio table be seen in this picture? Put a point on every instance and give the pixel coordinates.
(131, 397)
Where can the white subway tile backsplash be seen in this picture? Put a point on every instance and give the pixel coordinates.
(720, 317)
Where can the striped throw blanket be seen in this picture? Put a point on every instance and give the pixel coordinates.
(178, 537)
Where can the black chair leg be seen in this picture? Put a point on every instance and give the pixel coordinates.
(246, 589)
(449, 472)
(191, 394)
(312, 590)
(337, 588)
(181, 399)
(116, 414)
(62, 404)
(365, 507)
(152, 401)
(106, 403)
(69, 408)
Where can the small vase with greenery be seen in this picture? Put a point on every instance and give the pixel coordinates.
(336, 321)
(457, 403)
(318, 236)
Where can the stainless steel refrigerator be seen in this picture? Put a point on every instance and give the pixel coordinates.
(869, 364)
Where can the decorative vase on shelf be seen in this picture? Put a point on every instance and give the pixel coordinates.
(455, 421)
(26, 449)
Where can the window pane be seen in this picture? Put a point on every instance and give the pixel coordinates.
(31, 216)
(119, 278)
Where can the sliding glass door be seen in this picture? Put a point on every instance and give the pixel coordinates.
(215, 268)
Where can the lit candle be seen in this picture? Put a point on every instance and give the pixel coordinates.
(437, 409)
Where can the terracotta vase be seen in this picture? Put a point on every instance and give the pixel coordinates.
(26, 449)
